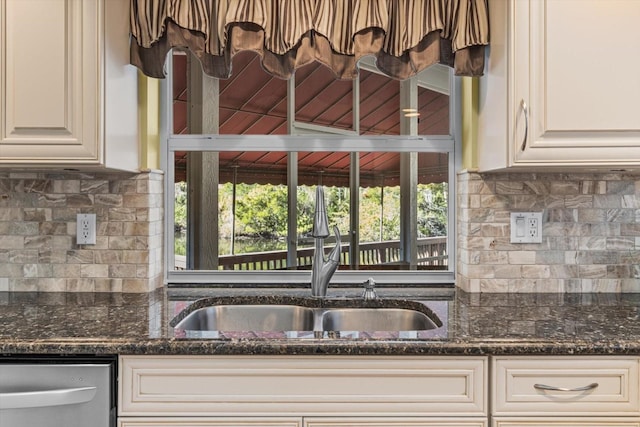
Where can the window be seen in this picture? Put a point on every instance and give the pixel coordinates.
(244, 156)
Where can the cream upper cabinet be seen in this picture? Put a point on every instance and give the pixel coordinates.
(68, 95)
(562, 86)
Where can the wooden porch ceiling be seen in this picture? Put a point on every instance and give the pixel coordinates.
(253, 102)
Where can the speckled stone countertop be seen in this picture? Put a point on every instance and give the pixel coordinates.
(472, 324)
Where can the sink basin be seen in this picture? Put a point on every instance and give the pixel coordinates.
(375, 319)
(249, 317)
(297, 314)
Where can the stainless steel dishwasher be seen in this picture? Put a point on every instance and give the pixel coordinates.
(57, 392)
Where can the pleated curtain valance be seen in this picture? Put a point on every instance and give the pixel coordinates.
(405, 36)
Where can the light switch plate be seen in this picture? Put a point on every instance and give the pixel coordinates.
(526, 227)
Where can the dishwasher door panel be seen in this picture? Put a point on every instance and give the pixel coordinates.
(56, 395)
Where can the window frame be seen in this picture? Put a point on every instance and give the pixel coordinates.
(170, 143)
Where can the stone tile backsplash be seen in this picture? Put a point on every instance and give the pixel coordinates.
(591, 233)
(38, 250)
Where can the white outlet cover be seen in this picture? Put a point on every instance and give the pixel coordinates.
(526, 227)
(86, 229)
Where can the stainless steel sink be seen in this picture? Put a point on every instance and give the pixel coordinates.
(249, 317)
(375, 319)
(298, 317)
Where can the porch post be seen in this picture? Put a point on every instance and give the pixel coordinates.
(202, 171)
(354, 207)
(408, 175)
(292, 180)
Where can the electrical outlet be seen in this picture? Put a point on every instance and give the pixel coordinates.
(526, 227)
(532, 227)
(86, 229)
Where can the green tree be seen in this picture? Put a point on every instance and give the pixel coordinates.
(432, 210)
(371, 210)
(306, 210)
(370, 214)
(180, 223)
(337, 201)
(262, 210)
(337, 206)
(181, 205)
(225, 218)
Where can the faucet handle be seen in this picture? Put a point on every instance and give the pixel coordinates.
(369, 290)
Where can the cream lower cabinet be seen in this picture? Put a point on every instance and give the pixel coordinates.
(561, 87)
(300, 422)
(565, 391)
(574, 422)
(68, 96)
(210, 422)
(432, 421)
(302, 391)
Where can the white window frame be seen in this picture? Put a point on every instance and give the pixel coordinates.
(171, 143)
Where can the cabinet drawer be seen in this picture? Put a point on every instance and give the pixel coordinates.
(296, 385)
(567, 385)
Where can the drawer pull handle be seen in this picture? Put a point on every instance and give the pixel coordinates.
(552, 388)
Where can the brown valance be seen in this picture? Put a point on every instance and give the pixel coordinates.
(405, 36)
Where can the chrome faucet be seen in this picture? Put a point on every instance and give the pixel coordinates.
(323, 268)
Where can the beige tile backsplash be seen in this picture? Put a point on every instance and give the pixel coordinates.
(38, 250)
(591, 233)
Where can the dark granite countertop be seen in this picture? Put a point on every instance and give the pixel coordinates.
(472, 324)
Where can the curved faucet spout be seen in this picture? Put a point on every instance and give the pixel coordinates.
(320, 218)
(323, 268)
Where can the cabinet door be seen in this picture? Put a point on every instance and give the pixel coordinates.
(210, 422)
(576, 83)
(49, 81)
(394, 422)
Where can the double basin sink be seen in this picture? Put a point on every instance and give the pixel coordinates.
(301, 314)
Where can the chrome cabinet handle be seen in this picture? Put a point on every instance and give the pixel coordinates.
(37, 399)
(525, 110)
(552, 388)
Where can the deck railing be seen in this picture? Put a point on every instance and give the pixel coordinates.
(432, 252)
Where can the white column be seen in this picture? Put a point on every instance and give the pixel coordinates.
(408, 175)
